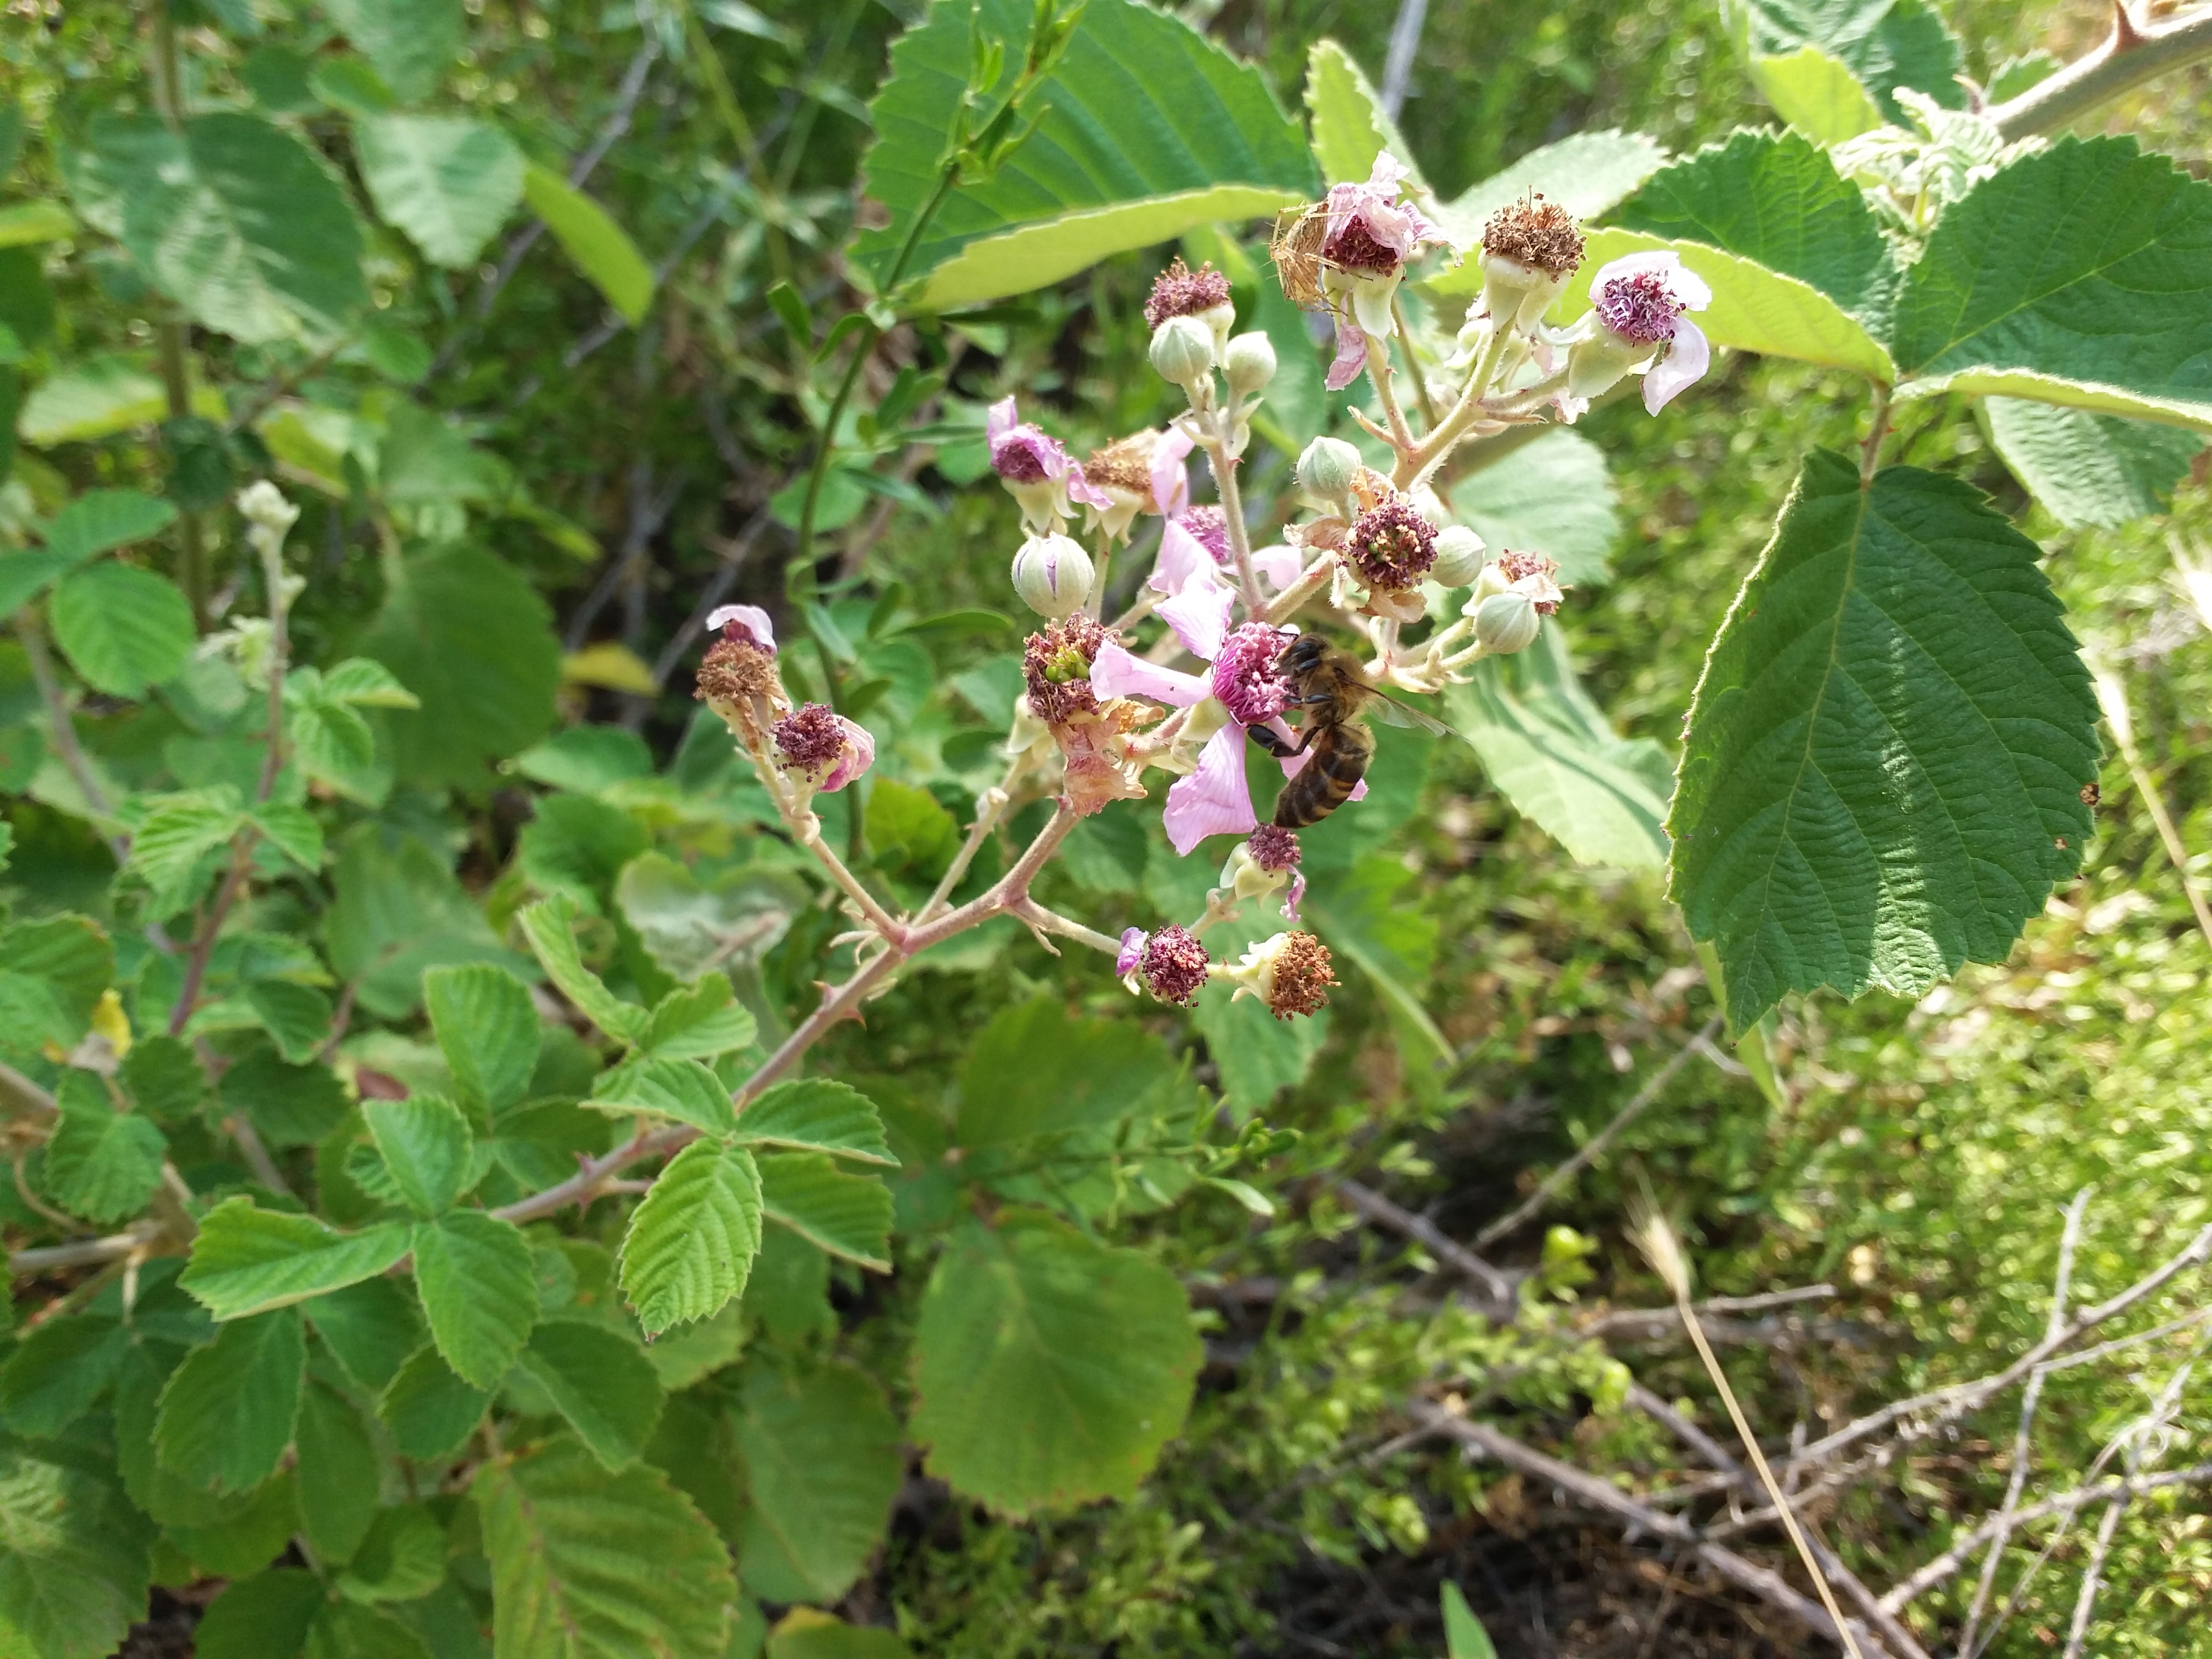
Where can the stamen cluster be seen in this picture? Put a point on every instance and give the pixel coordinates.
(1057, 662)
(1354, 247)
(810, 740)
(1179, 291)
(1641, 307)
(736, 671)
(1302, 974)
(1248, 674)
(1274, 849)
(1174, 965)
(1392, 546)
(1519, 567)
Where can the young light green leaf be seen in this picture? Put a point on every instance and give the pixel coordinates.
(601, 1381)
(447, 181)
(1552, 495)
(1146, 129)
(293, 832)
(410, 41)
(122, 628)
(1349, 126)
(338, 1475)
(1550, 750)
(100, 520)
(2114, 314)
(848, 1215)
(264, 1617)
(227, 1413)
(248, 1261)
(430, 1412)
(601, 248)
(487, 1028)
(680, 1089)
(2090, 470)
(57, 1371)
(366, 684)
(1049, 1369)
(177, 833)
(589, 1564)
(822, 1462)
(94, 398)
(547, 926)
(479, 1291)
(691, 1243)
(425, 1146)
(1817, 94)
(1810, 853)
(73, 1556)
(586, 759)
(101, 1164)
(25, 223)
(1464, 1636)
(816, 1114)
(1887, 44)
(1588, 173)
(698, 1022)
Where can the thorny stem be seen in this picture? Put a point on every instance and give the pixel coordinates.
(1051, 921)
(1378, 373)
(990, 807)
(2132, 54)
(64, 724)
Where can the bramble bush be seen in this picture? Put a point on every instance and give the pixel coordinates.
(544, 1140)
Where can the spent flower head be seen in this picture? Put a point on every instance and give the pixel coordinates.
(1171, 961)
(1179, 291)
(1057, 662)
(1391, 544)
(821, 748)
(1291, 973)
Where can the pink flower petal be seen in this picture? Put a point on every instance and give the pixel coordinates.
(1181, 557)
(1001, 420)
(1084, 493)
(1117, 673)
(1682, 367)
(1132, 951)
(1171, 478)
(751, 617)
(1351, 353)
(1213, 801)
(1280, 564)
(1199, 612)
(859, 755)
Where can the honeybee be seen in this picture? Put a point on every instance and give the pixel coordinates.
(1330, 685)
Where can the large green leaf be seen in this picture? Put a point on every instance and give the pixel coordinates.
(816, 1114)
(1049, 1369)
(1816, 93)
(587, 1564)
(601, 1381)
(248, 1260)
(549, 925)
(100, 520)
(73, 1558)
(691, 1243)
(122, 628)
(1034, 1071)
(233, 217)
(94, 398)
(823, 1463)
(1588, 173)
(1147, 130)
(479, 1289)
(848, 1215)
(588, 233)
(2081, 275)
(1550, 496)
(55, 1372)
(410, 42)
(2091, 469)
(1887, 44)
(171, 845)
(227, 1413)
(1349, 126)
(1550, 752)
(1883, 772)
(100, 1163)
(487, 1028)
(264, 1617)
(447, 181)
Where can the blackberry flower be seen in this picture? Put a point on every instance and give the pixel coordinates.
(1392, 546)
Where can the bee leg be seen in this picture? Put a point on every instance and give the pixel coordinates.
(1274, 742)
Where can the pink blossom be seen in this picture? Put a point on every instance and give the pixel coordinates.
(752, 623)
(1170, 477)
(1370, 234)
(1640, 299)
(1037, 470)
(1213, 800)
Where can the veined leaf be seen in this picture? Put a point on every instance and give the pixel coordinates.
(691, 1243)
(1146, 130)
(1349, 126)
(1887, 44)
(247, 1260)
(1588, 173)
(410, 42)
(848, 1215)
(547, 926)
(697, 1022)
(1552, 495)
(2090, 469)
(122, 628)
(425, 1146)
(587, 1564)
(816, 1114)
(447, 181)
(1816, 93)
(680, 1089)
(1360, 917)
(2112, 313)
(1883, 772)
(601, 1381)
(601, 248)
(178, 831)
(227, 1413)
(73, 1557)
(822, 1464)
(402, 1559)
(1033, 1071)
(429, 1410)
(101, 1164)
(338, 1473)
(55, 1372)
(296, 1016)
(100, 520)
(371, 1328)
(1049, 1369)
(487, 1028)
(479, 1291)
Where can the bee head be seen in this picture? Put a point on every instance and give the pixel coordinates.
(1303, 654)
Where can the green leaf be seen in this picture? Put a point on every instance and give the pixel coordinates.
(485, 692)
(1349, 126)
(57, 1371)
(1883, 771)
(293, 832)
(547, 926)
(177, 832)
(586, 759)
(233, 218)
(26, 222)
(479, 1290)
(366, 684)
(577, 846)
(1550, 752)
(1034, 1071)
(1817, 94)
(688, 928)
(1552, 495)
(910, 833)
(1887, 44)
(692, 1241)
(816, 1114)
(296, 1016)
(101, 1164)
(2090, 470)
(848, 1215)
(698, 1022)
(2113, 313)
(100, 520)
(587, 1564)
(70, 960)
(1145, 130)
(291, 1105)
(73, 1558)
(1049, 1369)
(402, 1558)
(1464, 1636)
(680, 1089)
(446, 180)
(1588, 173)
(601, 248)
(487, 1028)
(1256, 1055)
(225, 1415)
(96, 398)
(123, 628)
(425, 1146)
(823, 1463)
(338, 1475)
(370, 1328)
(1779, 203)
(410, 41)
(347, 1629)
(245, 1534)
(600, 1382)
(397, 910)
(264, 1617)
(248, 1261)
(429, 1410)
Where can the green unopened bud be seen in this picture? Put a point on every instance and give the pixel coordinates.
(1506, 622)
(1459, 556)
(1326, 469)
(1249, 363)
(1053, 575)
(1183, 352)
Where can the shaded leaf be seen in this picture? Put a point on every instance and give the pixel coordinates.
(446, 180)
(848, 1215)
(248, 1261)
(337, 1472)
(600, 1382)
(601, 248)
(2091, 470)
(479, 1291)
(430, 1412)
(225, 1415)
(823, 1463)
(73, 1556)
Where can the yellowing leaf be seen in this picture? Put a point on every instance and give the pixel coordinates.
(611, 666)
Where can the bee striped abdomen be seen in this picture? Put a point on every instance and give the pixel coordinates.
(1339, 757)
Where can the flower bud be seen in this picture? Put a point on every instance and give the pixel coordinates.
(1327, 469)
(1459, 556)
(1506, 622)
(1250, 363)
(1053, 575)
(1183, 352)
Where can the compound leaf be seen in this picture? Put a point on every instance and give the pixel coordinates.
(691, 1243)
(479, 1290)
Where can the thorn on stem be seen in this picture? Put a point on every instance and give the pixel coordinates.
(2125, 35)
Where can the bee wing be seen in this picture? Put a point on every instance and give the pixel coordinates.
(1388, 709)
